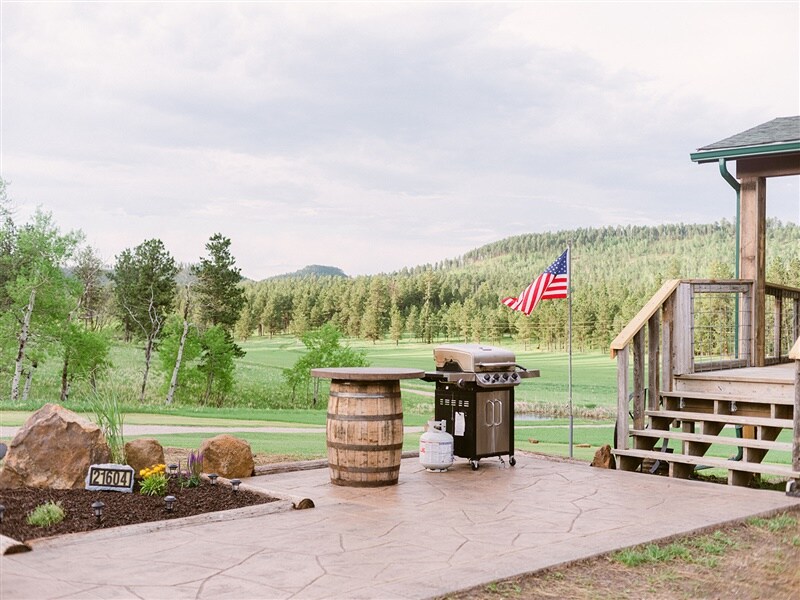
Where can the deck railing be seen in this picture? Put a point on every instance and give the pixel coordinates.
(794, 354)
(782, 320)
(687, 326)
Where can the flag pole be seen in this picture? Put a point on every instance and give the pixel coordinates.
(569, 296)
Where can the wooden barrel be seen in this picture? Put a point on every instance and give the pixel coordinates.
(365, 432)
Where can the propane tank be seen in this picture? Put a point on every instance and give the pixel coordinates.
(436, 447)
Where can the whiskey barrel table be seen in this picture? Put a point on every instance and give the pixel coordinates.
(365, 424)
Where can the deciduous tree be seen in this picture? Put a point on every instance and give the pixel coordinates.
(323, 350)
(38, 289)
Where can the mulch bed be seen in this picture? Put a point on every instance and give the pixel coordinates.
(120, 508)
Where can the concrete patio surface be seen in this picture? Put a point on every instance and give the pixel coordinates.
(431, 534)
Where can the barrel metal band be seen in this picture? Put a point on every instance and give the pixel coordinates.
(393, 417)
(365, 448)
(345, 469)
(364, 484)
(365, 396)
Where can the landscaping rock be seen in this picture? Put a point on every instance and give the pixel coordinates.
(143, 453)
(227, 456)
(604, 459)
(53, 449)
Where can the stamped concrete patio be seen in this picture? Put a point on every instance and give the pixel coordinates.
(431, 534)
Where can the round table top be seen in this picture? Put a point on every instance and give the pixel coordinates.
(367, 373)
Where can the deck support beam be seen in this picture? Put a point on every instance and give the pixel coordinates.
(623, 424)
(796, 436)
(752, 256)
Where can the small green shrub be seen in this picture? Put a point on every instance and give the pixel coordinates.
(46, 514)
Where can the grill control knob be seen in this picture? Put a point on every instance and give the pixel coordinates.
(487, 377)
(495, 377)
(514, 377)
(504, 377)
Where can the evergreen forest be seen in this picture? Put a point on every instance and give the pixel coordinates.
(615, 270)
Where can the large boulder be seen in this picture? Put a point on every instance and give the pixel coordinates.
(143, 453)
(227, 456)
(54, 449)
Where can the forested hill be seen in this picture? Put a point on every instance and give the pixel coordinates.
(614, 271)
(313, 271)
(628, 253)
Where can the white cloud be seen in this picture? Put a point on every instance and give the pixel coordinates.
(377, 136)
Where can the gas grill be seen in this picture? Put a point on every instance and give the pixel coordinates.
(475, 397)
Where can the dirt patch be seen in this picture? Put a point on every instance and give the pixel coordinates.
(757, 559)
(120, 508)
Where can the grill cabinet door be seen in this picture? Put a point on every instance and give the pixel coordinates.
(492, 422)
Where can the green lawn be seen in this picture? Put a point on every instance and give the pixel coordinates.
(259, 379)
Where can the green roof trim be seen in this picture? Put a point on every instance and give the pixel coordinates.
(744, 152)
(778, 136)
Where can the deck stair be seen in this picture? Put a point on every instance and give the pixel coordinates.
(696, 421)
(704, 358)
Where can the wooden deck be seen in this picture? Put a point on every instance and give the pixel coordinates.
(783, 373)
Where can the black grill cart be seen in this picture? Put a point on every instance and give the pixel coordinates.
(475, 397)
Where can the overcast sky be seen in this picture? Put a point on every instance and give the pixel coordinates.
(373, 136)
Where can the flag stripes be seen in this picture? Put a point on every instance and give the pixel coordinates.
(552, 284)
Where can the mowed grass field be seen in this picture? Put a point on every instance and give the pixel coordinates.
(593, 374)
(259, 376)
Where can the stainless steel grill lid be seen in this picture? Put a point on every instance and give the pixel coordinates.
(475, 358)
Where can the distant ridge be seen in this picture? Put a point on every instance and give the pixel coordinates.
(313, 271)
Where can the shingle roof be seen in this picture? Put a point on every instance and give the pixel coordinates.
(782, 129)
(780, 136)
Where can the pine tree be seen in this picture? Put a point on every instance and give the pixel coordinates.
(220, 299)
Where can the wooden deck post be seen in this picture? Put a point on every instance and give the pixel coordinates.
(622, 399)
(638, 380)
(746, 327)
(682, 333)
(667, 343)
(796, 429)
(752, 255)
(796, 320)
(653, 343)
(794, 353)
(777, 318)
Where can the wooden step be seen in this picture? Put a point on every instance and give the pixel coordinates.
(717, 463)
(681, 415)
(713, 439)
(739, 399)
(751, 385)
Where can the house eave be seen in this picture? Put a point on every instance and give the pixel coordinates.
(706, 156)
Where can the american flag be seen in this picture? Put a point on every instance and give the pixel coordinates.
(553, 283)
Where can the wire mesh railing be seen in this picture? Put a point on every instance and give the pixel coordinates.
(781, 320)
(719, 336)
